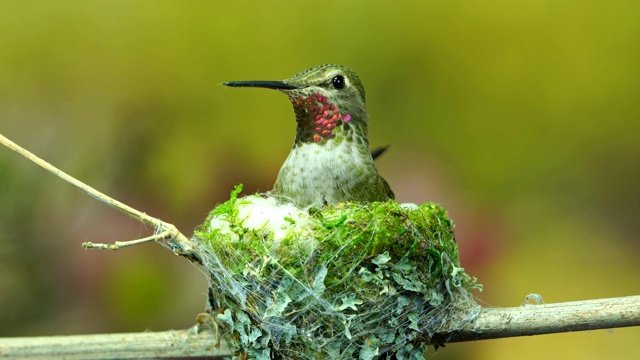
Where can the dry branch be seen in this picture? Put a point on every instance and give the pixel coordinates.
(167, 234)
(529, 319)
(492, 323)
(144, 345)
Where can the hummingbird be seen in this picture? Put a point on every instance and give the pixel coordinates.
(330, 161)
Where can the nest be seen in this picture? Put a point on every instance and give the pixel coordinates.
(351, 281)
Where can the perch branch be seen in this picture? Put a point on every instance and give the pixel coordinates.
(144, 345)
(492, 323)
(173, 238)
(538, 319)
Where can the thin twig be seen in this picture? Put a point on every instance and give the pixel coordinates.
(120, 244)
(174, 239)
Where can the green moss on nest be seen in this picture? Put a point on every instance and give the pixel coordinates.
(348, 281)
(229, 207)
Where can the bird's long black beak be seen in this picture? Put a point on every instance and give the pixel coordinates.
(278, 85)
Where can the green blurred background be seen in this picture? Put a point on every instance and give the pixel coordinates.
(520, 117)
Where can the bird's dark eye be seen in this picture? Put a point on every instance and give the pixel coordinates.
(338, 82)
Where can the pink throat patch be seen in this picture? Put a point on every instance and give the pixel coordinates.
(326, 115)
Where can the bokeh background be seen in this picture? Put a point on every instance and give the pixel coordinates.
(520, 117)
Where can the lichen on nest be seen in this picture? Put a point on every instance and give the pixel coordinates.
(351, 281)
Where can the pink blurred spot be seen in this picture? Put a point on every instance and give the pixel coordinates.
(347, 118)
